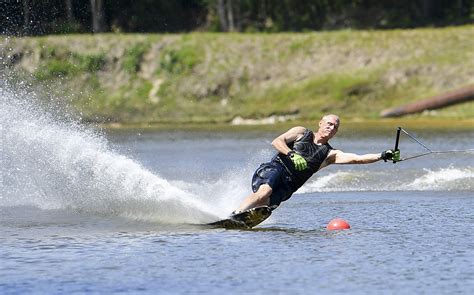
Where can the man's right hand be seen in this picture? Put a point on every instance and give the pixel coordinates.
(391, 155)
(299, 162)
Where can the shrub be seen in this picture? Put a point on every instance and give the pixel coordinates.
(54, 69)
(179, 61)
(133, 57)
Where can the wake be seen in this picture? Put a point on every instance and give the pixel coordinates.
(52, 164)
(442, 179)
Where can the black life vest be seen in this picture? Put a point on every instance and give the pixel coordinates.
(313, 153)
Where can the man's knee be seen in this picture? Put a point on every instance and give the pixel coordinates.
(264, 191)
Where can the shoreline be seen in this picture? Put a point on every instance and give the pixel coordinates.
(352, 123)
(223, 78)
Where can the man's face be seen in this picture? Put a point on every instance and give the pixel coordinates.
(328, 126)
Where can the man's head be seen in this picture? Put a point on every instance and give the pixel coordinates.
(328, 126)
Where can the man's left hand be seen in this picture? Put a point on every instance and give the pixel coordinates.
(391, 155)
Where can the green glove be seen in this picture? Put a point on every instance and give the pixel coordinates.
(391, 155)
(396, 156)
(299, 162)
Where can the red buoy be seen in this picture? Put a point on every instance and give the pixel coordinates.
(338, 224)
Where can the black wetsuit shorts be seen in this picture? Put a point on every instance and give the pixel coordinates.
(278, 178)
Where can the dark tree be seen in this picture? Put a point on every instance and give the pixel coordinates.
(34, 17)
(98, 16)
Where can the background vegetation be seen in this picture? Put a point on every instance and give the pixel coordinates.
(219, 77)
(239, 60)
(30, 17)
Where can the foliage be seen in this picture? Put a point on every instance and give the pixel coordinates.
(134, 56)
(55, 69)
(213, 77)
(60, 65)
(52, 17)
(90, 63)
(179, 61)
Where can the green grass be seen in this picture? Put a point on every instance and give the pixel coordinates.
(212, 77)
(133, 57)
(91, 63)
(55, 69)
(59, 66)
(179, 61)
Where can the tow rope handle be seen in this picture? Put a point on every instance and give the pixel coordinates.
(397, 140)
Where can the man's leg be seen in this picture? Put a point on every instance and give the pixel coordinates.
(260, 198)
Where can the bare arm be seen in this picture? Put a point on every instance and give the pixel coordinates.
(339, 157)
(281, 142)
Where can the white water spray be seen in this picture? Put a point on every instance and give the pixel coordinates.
(50, 164)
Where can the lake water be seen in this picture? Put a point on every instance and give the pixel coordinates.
(119, 212)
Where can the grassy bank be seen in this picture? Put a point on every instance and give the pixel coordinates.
(204, 77)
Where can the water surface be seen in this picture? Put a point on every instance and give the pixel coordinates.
(121, 212)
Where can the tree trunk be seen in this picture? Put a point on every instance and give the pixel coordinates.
(97, 9)
(230, 16)
(439, 101)
(26, 16)
(222, 15)
(262, 13)
(69, 14)
(237, 18)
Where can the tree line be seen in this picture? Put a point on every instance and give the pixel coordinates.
(35, 17)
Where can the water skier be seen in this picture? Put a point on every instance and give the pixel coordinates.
(301, 153)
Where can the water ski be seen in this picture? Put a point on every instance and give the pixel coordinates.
(245, 219)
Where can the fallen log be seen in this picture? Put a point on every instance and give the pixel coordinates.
(431, 103)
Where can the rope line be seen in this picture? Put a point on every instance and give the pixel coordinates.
(430, 151)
